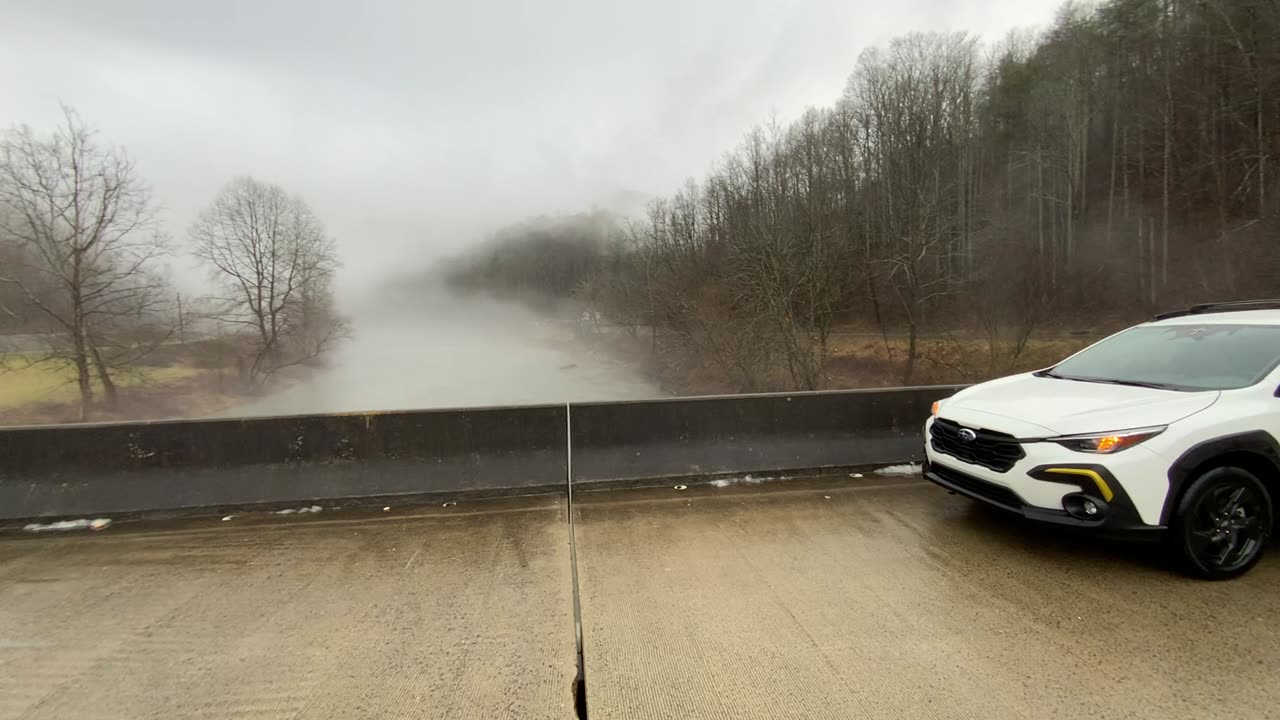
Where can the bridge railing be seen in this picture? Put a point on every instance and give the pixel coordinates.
(735, 434)
(96, 469)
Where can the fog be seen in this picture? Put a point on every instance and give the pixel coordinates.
(436, 350)
(414, 128)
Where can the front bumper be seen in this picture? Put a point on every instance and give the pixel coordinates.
(1047, 481)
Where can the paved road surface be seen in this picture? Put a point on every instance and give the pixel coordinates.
(814, 599)
(900, 601)
(447, 614)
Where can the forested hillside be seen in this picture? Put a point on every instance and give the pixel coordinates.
(1121, 162)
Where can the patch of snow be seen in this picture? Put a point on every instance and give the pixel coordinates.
(747, 479)
(290, 511)
(61, 525)
(908, 469)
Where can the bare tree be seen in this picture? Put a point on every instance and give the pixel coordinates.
(791, 267)
(86, 246)
(916, 104)
(270, 255)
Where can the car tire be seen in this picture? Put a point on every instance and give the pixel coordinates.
(1222, 524)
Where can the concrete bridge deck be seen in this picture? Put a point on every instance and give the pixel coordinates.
(805, 599)
(461, 612)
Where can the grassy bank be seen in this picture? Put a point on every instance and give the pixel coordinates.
(25, 381)
(33, 391)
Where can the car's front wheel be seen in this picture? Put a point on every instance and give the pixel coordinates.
(1222, 524)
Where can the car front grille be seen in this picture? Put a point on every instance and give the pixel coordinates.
(992, 450)
(996, 494)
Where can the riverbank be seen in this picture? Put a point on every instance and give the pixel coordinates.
(856, 359)
(47, 393)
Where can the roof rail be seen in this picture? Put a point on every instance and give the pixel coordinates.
(1234, 306)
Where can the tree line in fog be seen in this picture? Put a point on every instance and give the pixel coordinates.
(1119, 163)
(83, 265)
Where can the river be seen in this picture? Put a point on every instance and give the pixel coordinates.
(413, 352)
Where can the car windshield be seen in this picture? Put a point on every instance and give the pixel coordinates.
(1179, 357)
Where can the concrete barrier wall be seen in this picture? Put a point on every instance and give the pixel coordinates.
(139, 467)
(748, 433)
(118, 468)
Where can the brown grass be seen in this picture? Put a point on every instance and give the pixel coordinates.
(873, 362)
(203, 394)
(173, 381)
(857, 360)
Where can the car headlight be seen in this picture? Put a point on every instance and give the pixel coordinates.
(1110, 442)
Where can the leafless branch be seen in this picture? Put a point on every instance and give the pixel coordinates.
(273, 262)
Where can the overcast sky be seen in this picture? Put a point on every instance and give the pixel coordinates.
(412, 126)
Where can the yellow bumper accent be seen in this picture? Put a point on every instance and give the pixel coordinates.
(1103, 487)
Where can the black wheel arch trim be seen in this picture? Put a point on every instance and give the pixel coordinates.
(1258, 443)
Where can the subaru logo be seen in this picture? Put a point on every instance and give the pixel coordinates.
(967, 435)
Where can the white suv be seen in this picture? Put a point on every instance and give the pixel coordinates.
(1168, 428)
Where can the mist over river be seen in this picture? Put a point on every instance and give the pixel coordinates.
(410, 351)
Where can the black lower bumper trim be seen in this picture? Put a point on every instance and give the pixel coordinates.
(1006, 499)
(973, 487)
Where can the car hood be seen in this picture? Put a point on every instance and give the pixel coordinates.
(1029, 406)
